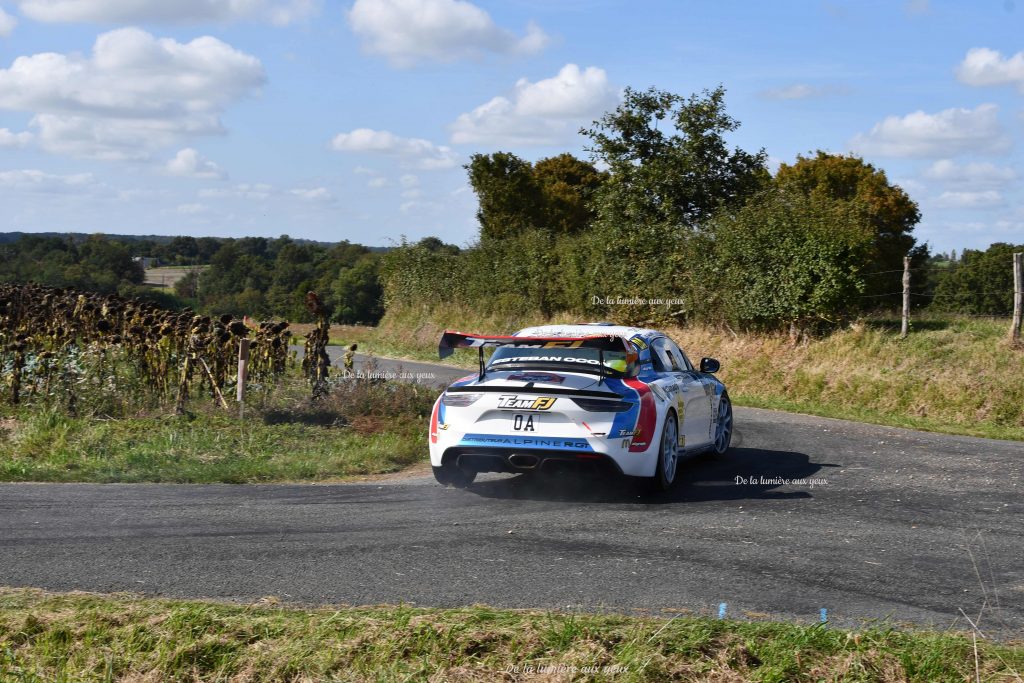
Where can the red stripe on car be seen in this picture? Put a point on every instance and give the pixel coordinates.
(433, 422)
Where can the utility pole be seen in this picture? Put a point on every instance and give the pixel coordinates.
(1018, 296)
(905, 327)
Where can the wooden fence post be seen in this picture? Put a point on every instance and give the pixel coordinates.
(905, 327)
(243, 365)
(1018, 297)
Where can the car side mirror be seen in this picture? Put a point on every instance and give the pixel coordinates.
(709, 365)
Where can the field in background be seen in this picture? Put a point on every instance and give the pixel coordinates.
(957, 376)
(47, 637)
(166, 276)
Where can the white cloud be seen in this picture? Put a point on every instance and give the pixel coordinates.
(413, 152)
(969, 200)
(418, 207)
(983, 66)
(280, 12)
(409, 181)
(409, 31)
(314, 194)
(9, 139)
(801, 91)
(7, 23)
(910, 185)
(192, 209)
(377, 181)
(134, 94)
(40, 181)
(255, 191)
(972, 174)
(948, 133)
(541, 113)
(191, 164)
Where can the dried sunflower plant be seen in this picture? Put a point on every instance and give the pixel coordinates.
(107, 355)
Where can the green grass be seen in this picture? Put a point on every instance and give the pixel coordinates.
(49, 446)
(957, 376)
(81, 637)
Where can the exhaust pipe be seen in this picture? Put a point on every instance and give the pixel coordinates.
(523, 461)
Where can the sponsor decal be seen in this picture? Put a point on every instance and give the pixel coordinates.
(628, 432)
(638, 342)
(498, 440)
(563, 344)
(545, 377)
(545, 359)
(512, 402)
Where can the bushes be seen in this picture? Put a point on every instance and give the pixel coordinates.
(783, 258)
(788, 258)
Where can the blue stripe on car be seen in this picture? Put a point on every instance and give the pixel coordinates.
(627, 420)
(545, 442)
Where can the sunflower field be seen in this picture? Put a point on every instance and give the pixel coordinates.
(105, 354)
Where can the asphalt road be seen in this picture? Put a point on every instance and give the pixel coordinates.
(906, 525)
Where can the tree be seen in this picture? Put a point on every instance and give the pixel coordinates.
(981, 283)
(567, 185)
(510, 199)
(676, 175)
(892, 213)
(357, 293)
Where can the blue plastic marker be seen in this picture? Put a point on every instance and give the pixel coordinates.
(824, 615)
(721, 610)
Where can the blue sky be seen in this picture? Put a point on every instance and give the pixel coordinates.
(351, 120)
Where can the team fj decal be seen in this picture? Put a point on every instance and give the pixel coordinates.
(512, 402)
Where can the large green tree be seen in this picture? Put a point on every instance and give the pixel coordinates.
(669, 161)
(891, 212)
(567, 185)
(509, 197)
(516, 196)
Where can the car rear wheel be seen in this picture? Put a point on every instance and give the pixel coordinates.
(723, 429)
(451, 474)
(668, 454)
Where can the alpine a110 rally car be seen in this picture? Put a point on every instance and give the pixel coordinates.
(569, 396)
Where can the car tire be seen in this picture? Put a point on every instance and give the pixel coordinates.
(668, 455)
(454, 476)
(723, 426)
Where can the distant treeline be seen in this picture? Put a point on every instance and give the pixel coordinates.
(251, 276)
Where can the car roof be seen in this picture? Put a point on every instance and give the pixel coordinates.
(588, 329)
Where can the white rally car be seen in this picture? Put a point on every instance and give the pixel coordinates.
(598, 395)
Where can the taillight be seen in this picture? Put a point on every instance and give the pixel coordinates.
(459, 400)
(600, 405)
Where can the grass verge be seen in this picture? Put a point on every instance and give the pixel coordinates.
(957, 376)
(84, 637)
(361, 428)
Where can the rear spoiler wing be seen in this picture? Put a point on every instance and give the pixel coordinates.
(452, 340)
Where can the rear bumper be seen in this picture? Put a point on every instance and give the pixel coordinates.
(487, 459)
